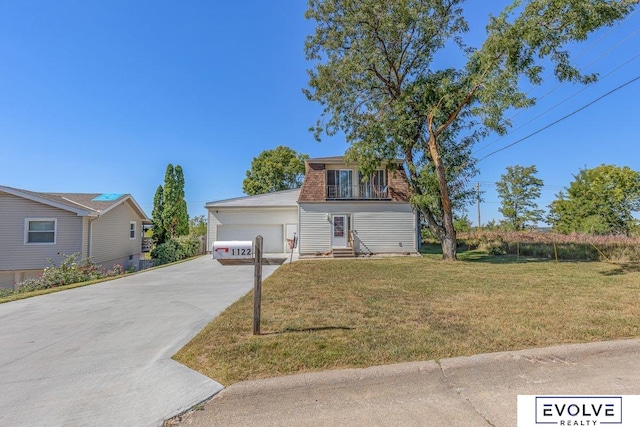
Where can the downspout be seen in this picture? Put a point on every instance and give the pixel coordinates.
(90, 236)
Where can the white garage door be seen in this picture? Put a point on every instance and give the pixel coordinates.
(272, 242)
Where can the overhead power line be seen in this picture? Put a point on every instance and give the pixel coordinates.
(561, 119)
(559, 85)
(559, 103)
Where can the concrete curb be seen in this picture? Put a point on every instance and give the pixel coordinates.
(477, 390)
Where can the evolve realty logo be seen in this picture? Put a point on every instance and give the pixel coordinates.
(578, 410)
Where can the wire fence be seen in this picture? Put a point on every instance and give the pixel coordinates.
(554, 246)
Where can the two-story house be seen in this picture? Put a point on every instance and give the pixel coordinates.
(342, 211)
(337, 211)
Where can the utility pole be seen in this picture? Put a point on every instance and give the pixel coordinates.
(478, 203)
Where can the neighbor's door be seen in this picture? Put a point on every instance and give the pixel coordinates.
(339, 231)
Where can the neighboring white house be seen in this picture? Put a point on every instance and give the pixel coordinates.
(337, 211)
(36, 227)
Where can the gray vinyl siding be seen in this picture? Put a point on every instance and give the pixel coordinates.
(14, 253)
(110, 243)
(378, 227)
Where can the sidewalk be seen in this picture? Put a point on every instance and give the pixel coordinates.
(463, 391)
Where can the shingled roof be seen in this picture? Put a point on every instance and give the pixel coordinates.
(83, 204)
(285, 198)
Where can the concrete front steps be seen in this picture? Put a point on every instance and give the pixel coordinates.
(343, 253)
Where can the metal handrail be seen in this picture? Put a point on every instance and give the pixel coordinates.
(360, 191)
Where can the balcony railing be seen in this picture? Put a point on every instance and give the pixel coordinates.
(357, 192)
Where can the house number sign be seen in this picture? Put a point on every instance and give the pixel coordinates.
(235, 249)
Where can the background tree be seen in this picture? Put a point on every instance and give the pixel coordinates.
(518, 189)
(198, 226)
(374, 77)
(175, 218)
(599, 201)
(273, 170)
(159, 232)
(183, 216)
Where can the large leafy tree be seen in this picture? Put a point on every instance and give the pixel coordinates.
(601, 200)
(375, 75)
(518, 189)
(198, 225)
(273, 170)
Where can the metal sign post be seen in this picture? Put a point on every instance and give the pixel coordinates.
(257, 285)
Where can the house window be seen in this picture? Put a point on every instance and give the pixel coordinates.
(40, 231)
(373, 186)
(339, 184)
(132, 230)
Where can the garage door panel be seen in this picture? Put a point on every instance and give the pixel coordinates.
(273, 240)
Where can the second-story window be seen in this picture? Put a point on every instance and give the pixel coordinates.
(373, 186)
(339, 184)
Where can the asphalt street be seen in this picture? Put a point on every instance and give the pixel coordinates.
(101, 355)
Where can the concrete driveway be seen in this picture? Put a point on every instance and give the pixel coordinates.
(101, 355)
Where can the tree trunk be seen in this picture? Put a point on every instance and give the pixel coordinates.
(446, 237)
(448, 244)
(448, 241)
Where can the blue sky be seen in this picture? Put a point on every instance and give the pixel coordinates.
(99, 96)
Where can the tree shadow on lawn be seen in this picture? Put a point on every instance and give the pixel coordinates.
(317, 329)
(476, 255)
(479, 256)
(622, 268)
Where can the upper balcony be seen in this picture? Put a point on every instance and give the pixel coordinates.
(357, 192)
(330, 179)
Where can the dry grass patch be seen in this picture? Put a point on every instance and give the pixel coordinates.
(334, 314)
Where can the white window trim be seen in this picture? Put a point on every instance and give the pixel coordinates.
(26, 231)
(135, 229)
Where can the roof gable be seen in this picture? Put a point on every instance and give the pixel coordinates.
(82, 204)
(285, 198)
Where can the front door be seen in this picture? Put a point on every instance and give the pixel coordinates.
(340, 231)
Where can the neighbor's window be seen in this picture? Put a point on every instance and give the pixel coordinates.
(40, 231)
(132, 230)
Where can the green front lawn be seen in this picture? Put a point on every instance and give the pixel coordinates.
(333, 314)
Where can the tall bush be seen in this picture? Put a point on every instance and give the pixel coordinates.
(175, 250)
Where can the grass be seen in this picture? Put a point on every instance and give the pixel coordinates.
(333, 314)
(25, 295)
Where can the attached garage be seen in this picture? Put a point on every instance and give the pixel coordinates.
(274, 216)
(271, 234)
